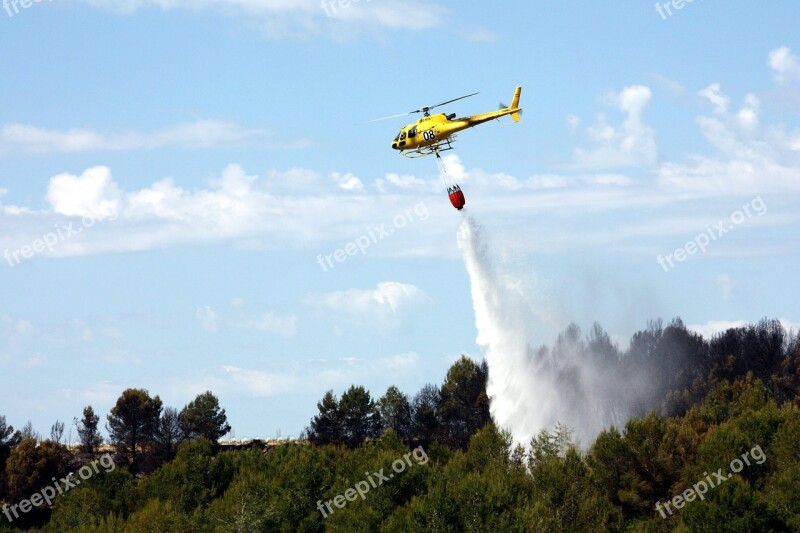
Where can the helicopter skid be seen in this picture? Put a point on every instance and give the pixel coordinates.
(431, 149)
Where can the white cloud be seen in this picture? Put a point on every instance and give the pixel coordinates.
(268, 322)
(750, 157)
(632, 143)
(748, 114)
(713, 93)
(348, 182)
(714, 327)
(406, 183)
(22, 138)
(23, 327)
(291, 18)
(100, 395)
(789, 325)
(305, 209)
(573, 121)
(672, 87)
(785, 64)
(208, 318)
(400, 361)
(298, 208)
(312, 379)
(262, 384)
(387, 303)
(618, 180)
(389, 297)
(93, 193)
(34, 360)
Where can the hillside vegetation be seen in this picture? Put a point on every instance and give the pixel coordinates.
(715, 448)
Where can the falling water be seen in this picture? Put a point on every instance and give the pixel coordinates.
(530, 390)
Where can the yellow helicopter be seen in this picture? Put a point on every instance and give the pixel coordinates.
(432, 134)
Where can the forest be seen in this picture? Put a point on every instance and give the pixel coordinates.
(711, 446)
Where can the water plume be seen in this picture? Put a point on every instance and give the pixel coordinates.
(578, 383)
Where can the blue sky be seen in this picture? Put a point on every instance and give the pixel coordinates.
(192, 161)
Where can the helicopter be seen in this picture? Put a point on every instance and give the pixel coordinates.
(433, 134)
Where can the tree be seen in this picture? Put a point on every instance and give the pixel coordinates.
(87, 432)
(326, 427)
(31, 466)
(195, 478)
(359, 416)
(132, 423)
(464, 405)
(57, 431)
(27, 432)
(394, 410)
(203, 417)
(425, 415)
(169, 433)
(8, 439)
(158, 516)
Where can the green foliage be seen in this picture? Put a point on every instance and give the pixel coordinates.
(425, 417)
(477, 490)
(394, 411)
(437, 463)
(359, 416)
(157, 516)
(729, 400)
(90, 503)
(82, 506)
(463, 405)
(31, 466)
(88, 433)
(733, 506)
(169, 433)
(326, 427)
(194, 479)
(244, 506)
(8, 439)
(782, 484)
(132, 424)
(5, 525)
(202, 417)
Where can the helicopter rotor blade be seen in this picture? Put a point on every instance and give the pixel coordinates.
(385, 118)
(501, 105)
(453, 100)
(422, 110)
(428, 108)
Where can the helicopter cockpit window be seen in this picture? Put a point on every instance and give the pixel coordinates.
(412, 133)
(397, 138)
(403, 136)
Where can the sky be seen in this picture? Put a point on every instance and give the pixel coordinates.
(190, 201)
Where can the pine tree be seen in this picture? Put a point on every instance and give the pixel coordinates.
(203, 417)
(87, 432)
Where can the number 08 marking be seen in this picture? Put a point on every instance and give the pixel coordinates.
(429, 135)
